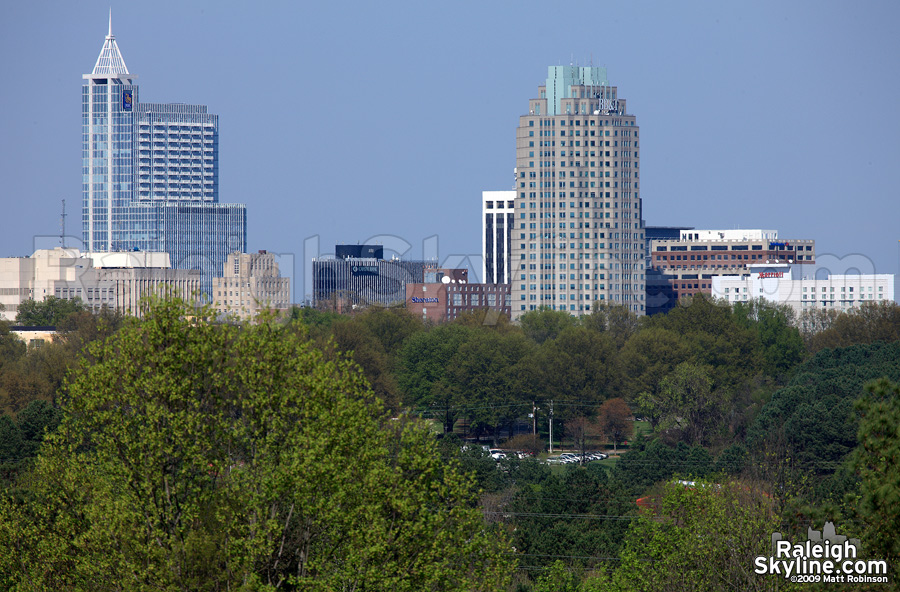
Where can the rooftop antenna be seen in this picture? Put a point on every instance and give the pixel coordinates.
(110, 22)
(62, 226)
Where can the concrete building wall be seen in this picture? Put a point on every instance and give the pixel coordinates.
(251, 283)
(70, 274)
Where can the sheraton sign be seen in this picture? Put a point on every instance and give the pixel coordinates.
(770, 274)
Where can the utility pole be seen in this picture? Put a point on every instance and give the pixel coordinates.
(551, 426)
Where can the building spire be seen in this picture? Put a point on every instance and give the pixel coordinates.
(110, 61)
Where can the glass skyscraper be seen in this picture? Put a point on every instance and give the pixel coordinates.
(151, 174)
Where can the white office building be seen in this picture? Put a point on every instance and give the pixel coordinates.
(802, 288)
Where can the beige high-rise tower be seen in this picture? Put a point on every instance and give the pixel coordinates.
(578, 236)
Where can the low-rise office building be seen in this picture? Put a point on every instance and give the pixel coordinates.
(446, 294)
(359, 276)
(687, 266)
(121, 281)
(251, 283)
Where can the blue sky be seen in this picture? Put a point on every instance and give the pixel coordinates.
(343, 121)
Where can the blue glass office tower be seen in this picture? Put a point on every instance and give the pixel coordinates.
(150, 174)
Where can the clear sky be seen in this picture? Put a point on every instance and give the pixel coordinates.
(352, 120)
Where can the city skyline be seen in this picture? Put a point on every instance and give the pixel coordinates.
(768, 116)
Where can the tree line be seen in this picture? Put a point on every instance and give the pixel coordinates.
(743, 394)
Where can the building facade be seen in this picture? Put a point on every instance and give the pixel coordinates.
(119, 281)
(360, 277)
(446, 293)
(578, 236)
(687, 265)
(251, 283)
(801, 288)
(143, 165)
(497, 225)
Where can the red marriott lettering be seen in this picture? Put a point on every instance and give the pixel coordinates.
(770, 274)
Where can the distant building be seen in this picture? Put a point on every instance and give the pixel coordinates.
(687, 265)
(578, 235)
(497, 225)
(151, 174)
(360, 277)
(34, 336)
(251, 283)
(446, 293)
(119, 281)
(799, 287)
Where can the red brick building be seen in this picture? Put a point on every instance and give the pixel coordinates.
(447, 293)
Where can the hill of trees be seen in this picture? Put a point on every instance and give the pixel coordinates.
(189, 450)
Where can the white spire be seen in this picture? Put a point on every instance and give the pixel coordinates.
(110, 61)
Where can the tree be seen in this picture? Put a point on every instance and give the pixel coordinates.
(870, 322)
(646, 358)
(781, 342)
(47, 313)
(701, 537)
(689, 403)
(194, 455)
(877, 459)
(11, 444)
(619, 321)
(543, 324)
(614, 421)
(424, 366)
(37, 420)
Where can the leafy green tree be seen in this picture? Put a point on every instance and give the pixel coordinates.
(701, 537)
(870, 322)
(619, 321)
(731, 352)
(543, 324)
(812, 417)
(485, 381)
(689, 404)
(557, 578)
(47, 313)
(11, 444)
(424, 371)
(646, 358)
(550, 518)
(732, 460)
(194, 455)
(37, 420)
(774, 324)
(877, 459)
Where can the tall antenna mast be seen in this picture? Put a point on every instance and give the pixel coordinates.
(62, 226)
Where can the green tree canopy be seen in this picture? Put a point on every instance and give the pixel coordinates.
(198, 456)
(543, 324)
(877, 458)
(49, 312)
(702, 536)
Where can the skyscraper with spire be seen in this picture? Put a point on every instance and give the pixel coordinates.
(150, 174)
